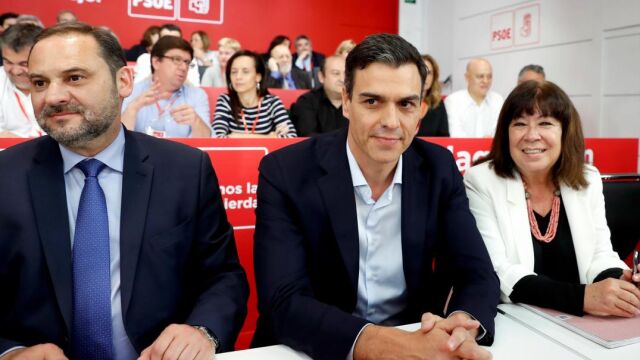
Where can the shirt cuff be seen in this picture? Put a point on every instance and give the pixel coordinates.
(481, 330)
(350, 355)
(10, 350)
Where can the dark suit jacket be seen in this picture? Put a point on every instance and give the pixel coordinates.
(435, 122)
(306, 245)
(178, 258)
(313, 113)
(300, 78)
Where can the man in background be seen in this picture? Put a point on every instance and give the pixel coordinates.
(66, 16)
(320, 110)
(531, 72)
(16, 112)
(473, 112)
(308, 60)
(283, 75)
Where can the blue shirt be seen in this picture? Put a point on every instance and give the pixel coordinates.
(288, 78)
(186, 94)
(382, 288)
(110, 179)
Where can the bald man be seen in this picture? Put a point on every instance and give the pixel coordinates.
(473, 112)
(282, 73)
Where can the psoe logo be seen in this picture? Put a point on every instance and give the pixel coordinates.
(199, 6)
(201, 11)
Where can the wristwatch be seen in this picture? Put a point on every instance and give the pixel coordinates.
(213, 339)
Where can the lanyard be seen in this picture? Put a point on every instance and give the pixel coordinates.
(24, 112)
(161, 110)
(255, 122)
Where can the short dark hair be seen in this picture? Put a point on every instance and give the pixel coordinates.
(167, 43)
(236, 106)
(302, 37)
(206, 41)
(389, 49)
(20, 36)
(171, 27)
(109, 46)
(549, 100)
(7, 15)
(532, 67)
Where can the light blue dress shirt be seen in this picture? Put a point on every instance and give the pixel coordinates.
(382, 289)
(288, 78)
(186, 94)
(110, 180)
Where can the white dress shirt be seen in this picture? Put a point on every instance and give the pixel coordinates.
(470, 120)
(16, 111)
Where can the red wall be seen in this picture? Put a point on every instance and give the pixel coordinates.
(252, 22)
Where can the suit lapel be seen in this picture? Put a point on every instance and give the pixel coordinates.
(518, 223)
(136, 189)
(49, 201)
(413, 217)
(336, 188)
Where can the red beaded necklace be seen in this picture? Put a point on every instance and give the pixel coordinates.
(550, 234)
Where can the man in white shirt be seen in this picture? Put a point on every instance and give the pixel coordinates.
(142, 70)
(16, 113)
(473, 112)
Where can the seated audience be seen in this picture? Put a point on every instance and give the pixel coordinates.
(344, 47)
(29, 19)
(531, 72)
(200, 43)
(435, 122)
(473, 112)
(66, 16)
(282, 73)
(248, 110)
(320, 110)
(349, 225)
(541, 211)
(277, 40)
(143, 67)
(308, 60)
(149, 38)
(216, 76)
(17, 118)
(6, 20)
(163, 105)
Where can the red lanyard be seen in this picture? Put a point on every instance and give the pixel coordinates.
(255, 122)
(162, 111)
(24, 112)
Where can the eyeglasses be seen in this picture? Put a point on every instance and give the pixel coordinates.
(177, 60)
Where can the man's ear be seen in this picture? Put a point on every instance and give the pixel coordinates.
(124, 81)
(346, 103)
(321, 77)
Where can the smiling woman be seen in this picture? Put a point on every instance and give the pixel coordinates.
(541, 211)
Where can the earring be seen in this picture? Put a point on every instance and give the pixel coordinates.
(258, 86)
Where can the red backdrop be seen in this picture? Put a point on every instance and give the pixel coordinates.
(253, 22)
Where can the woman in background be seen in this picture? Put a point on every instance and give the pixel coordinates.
(435, 121)
(248, 110)
(215, 76)
(200, 43)
(541, 212)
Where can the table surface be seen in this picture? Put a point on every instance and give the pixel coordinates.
(567, 338)
(513, 340)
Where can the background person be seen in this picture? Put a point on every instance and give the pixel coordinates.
(541, 211)
(216, 76)
(531, 72)
(248, 110)
(149, 38)
(435, 122)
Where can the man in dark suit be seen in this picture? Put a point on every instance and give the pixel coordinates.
(148, 243)
(308, 60)
(282, 73)
(349, 225)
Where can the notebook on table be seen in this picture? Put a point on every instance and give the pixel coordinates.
(608, 331)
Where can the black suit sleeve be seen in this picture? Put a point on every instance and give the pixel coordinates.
(221, 304)
(304, 116)
(285, 294)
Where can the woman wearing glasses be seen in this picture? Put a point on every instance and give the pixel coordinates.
(248, 110)
(163, 105)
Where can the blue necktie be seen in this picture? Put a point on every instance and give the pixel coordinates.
(92, 333)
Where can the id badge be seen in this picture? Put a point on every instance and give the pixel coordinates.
(157, 133)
